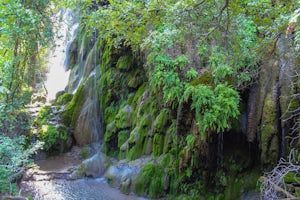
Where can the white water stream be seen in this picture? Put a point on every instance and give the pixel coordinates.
(58, 76)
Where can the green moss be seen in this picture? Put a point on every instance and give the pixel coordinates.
(64, 99)
(161, 121)
(124, 117)
(235, 185)
(134, 79)
(145, 125)
(130, 98)
(139, 93)
(170, 134)
(85, 152)
(43, 116)
(70, 114)
(110, 114)
(138, 138)
(233, 189)
(122, 137)
(125, 62)
(158, 144)
(106, 56)
(51, 136)
(269, 139)
(111, 129)
(151, 181)
(205, 78)
(135, 152)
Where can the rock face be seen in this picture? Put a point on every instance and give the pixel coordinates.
(268, 104)
(82, 113)
(114, 104)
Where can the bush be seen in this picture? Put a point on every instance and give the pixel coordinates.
(50, 135)
(13, 158)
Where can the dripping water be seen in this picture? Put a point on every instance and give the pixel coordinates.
(220, 149)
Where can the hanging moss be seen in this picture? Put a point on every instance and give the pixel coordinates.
(111, 129)
(135, 102)
(110, 114)
(64, 99)
(106, 55)
(124, 117)
(161, 121)
(134, 79)
(158, 144)
(269, 138)
(137, 139)
(233, 188)
(125, 62)
(205, 79)
(170, 133)
(122, 137)
(70, 114)
(151, 181)
(51, 136)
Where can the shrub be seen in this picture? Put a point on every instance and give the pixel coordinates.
(50, 135)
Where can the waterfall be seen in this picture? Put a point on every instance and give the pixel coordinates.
(57, 76)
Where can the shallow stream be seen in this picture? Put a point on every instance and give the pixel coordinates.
(50, 180)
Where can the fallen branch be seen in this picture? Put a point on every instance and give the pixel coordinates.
(273, 183)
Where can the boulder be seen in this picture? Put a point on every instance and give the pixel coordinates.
(92, 167)
(122, 174)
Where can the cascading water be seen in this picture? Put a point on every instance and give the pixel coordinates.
(57, 76)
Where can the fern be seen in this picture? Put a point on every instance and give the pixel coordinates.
(213, 108)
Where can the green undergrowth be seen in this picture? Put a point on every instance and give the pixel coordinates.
(52, 136)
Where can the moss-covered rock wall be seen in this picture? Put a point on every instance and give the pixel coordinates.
(114, 104)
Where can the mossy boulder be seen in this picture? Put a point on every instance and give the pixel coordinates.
(124, 117)
(64, 98)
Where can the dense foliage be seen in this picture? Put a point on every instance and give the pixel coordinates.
(25, 32)
(198, 54)
(227, 38)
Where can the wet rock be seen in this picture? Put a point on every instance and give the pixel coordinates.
(92, 167)
(122, 174)
(87, 126)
